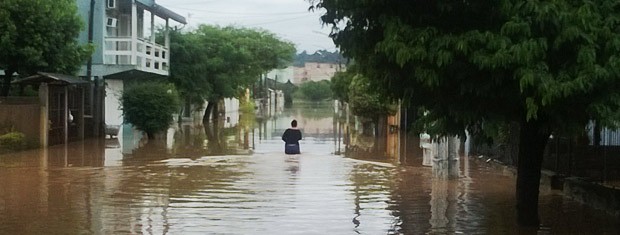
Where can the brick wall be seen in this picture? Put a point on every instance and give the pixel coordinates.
(22, 113)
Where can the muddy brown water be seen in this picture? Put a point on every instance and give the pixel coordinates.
(181, 186)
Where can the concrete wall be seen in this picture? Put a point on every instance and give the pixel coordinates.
(597, 196)
(22, 114)
(113, 90)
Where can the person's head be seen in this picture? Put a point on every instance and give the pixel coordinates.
(294, 123)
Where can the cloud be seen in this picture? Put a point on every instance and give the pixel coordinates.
(289, 19)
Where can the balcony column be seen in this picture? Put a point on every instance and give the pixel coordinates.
(152, 28)
(167, 35)
(134, 32)
(152, 56)
(167, 43)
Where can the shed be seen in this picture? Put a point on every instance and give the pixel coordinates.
(62, 106)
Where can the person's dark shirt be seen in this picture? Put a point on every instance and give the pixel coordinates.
(291, 136)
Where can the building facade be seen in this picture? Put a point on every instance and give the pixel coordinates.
(123, 33)
(314, 71)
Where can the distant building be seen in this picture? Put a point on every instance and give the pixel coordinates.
(313, 71)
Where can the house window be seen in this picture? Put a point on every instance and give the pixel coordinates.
(111, 3)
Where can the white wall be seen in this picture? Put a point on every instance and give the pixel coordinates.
(231, 118)
(113, 114)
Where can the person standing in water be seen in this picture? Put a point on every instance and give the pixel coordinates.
(291, 139)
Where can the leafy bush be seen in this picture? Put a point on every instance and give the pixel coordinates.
(150, 106)
(13, 141)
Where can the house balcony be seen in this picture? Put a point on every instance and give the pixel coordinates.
(130, 42)
(145, 55)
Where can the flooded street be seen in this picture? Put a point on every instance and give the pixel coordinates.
(249, 186)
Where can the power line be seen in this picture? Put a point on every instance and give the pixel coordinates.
(277, 21)
(244, 14)
(191, 3)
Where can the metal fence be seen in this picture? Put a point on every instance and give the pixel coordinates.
(572, 158)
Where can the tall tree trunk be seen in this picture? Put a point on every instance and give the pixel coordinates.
(215, 112)
(180, 115)
(533, 140)
(597, 134)
(380, 134)
(184, 110)
(6, 82)
(206, 117)
(214, 143)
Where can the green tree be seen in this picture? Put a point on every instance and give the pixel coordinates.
(149, 106)
(212, 63)
(340, 85)
(39, 36)
(372, 106)
(366, 101)
(549, 66)
(316, 91)
(187, 69)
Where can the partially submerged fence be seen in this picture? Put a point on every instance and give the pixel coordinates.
(571, 158)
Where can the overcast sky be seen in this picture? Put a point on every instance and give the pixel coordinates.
(289, 19)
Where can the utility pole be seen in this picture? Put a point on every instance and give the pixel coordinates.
(95, 105)
(275, 89)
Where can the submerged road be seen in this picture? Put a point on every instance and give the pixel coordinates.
(92, 187)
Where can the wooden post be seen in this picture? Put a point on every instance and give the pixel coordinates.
(80, 114)
(44, 115)
(66, 115)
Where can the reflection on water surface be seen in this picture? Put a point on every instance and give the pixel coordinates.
(234, 179)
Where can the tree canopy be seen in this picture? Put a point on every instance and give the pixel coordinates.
(353, 87)
(549, 66)
(366, 102)
(316, 90)
(39, 36)
(212, 62)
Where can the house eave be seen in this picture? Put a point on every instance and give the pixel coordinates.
(163, 12)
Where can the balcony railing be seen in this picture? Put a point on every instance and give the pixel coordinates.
(149, 57)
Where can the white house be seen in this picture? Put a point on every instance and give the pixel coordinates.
(126, 50)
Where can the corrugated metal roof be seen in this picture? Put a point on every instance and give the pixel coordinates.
(51, 78)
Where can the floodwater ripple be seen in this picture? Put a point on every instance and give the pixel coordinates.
(93, 187)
